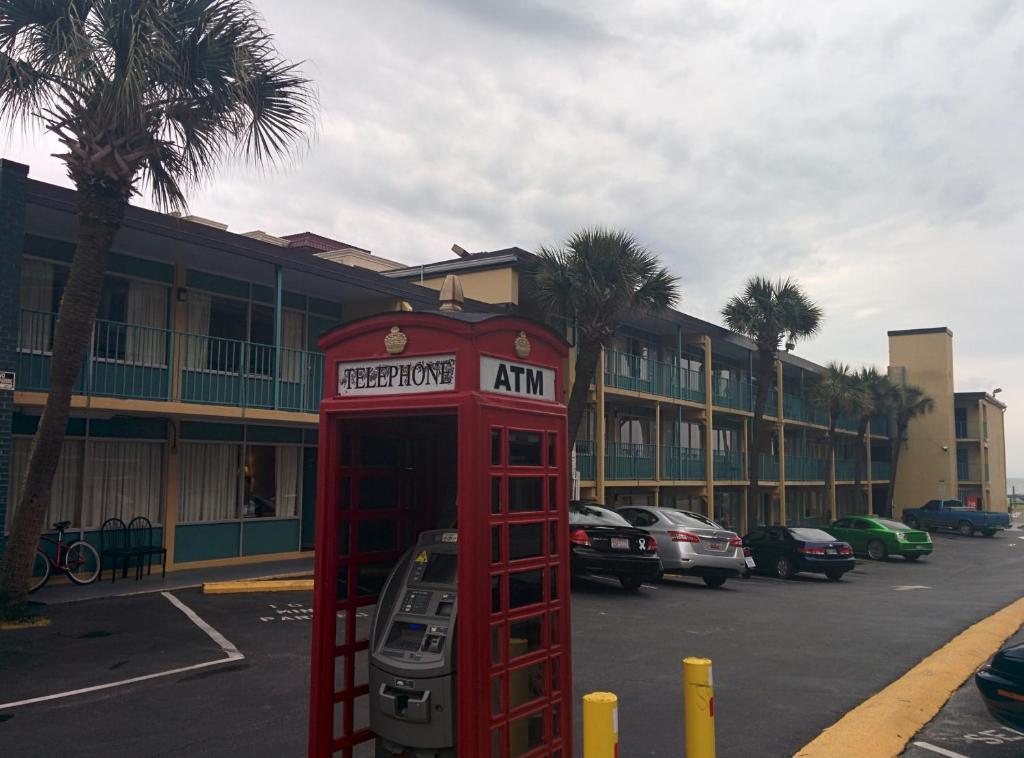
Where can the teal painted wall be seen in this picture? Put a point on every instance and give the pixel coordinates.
(278, 536)
(204, 542)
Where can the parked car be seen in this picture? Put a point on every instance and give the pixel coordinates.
(605, 544)
(690, 544)
(1001, 684)
(879, 537)
(951, 514)
(789, 550)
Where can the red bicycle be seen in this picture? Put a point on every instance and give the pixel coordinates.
(79, 560)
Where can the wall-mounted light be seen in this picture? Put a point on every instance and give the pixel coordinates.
(996, 391)
(182, 295)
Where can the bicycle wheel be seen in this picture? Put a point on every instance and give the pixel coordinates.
(40, 571)
(82, 562)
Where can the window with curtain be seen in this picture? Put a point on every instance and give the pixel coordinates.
(273, 483)
(293, 339)
(123, 479)
(208, 481)
(41, 287)
(146, 316)
(67, 484)
(197, 324)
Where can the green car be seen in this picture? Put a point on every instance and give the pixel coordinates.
(879, 537)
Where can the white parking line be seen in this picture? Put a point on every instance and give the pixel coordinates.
(231, 652)
(938, 750)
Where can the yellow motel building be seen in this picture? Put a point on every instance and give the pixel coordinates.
(197, 402)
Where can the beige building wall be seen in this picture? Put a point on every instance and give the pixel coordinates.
(496, 285)
(927, 467)
(995, 488)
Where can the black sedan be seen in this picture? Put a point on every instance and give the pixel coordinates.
(604, 544)
(1001, 684)
(789, 550)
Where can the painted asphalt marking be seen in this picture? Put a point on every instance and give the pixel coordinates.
(938, 750)
(904, 587)
(231, 654)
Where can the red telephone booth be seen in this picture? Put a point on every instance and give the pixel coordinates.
(447, 420)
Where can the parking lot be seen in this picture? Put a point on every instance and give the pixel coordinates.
(789, 658)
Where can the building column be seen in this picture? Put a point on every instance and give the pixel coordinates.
(657, 445)
(12, 241)
(780, 411)
(709, 429)
(179, 325)
(172, 483)
(745, 496)
(599, 432)
(868, 475)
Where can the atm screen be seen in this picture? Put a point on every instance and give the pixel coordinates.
(440, 569)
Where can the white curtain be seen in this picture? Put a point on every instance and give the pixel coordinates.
(287, 481)
(293, 341)
(36, 327)
(66, 493)
(146, 314)
(208, 482)
(198, 323)
(123, 479)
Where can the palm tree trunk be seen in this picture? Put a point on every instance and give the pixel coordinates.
(858, 458)
(830, 466)
(765, 374)
(901, 431)
(99, 218)
(588, 355)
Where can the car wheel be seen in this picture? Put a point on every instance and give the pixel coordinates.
(784, 568)
(988, 533)
(966, 528)
(834, 576)
(631, 583)
(912, 522)
(714, 581)
(877, 551)
(912, 556)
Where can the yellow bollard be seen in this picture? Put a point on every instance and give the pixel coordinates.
(600, 725)
(699, 707)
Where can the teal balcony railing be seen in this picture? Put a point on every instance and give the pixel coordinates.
(638, 374)
(795, 408)
(768, 467)
(804, 469)
(963, 470)
(627, 460)
(879, 425)
(844, 470)
(729, 465)
(881, 471)
(731, 393)
(682, 463)
(987, 478)
(139, 362)
(847, 422)
(586, 460)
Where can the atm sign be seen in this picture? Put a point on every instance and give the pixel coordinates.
(510, 378)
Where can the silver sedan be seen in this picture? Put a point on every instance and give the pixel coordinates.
(690, 544)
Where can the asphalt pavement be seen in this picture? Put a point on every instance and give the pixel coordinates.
(790, 657)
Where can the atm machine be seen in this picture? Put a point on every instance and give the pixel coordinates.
(412, 652)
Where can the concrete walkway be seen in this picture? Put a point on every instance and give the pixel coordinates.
(60, 590)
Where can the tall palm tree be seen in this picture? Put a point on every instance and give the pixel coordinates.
(143, 95)
(769, 313)
(908, 403)
(836, 392)
(597, 277)
(876, 391)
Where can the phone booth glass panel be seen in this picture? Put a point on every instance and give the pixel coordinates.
(454, 443)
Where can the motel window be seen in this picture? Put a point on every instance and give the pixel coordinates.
(67, 483)
(272, 481)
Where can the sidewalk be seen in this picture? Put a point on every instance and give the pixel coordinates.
(56, 593)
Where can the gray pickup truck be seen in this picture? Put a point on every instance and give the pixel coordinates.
(951, 514)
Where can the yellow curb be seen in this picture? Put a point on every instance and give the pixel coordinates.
(10, 626)
(266, 585)
(883, 724)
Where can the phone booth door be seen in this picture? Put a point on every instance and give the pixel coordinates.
(530, 667)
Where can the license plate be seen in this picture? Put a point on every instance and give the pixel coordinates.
(715, 546)
(750, 562)
(830, 551)
(620, 543)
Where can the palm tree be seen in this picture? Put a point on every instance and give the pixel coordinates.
(908, 402)
(836, 392)
(876, 391)
(596, 278)
(769, 313)
(142, 96)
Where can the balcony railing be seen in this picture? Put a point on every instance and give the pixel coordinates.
(768, 467)
(966, 430)
(638, 374)
(881, 471)
(628, 460)
(804, 469)
(879, 425)
(682, 463)
(966, 472)
(140, 363)
(585, 460)
(844, 470)
(729, 465)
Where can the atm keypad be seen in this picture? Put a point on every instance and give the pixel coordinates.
(416, 601)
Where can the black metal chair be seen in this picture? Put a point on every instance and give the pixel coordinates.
(142, 545)
(114, 545)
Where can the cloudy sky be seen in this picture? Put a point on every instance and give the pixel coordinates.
(872, 150)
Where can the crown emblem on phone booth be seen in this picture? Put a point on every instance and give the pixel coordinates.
(522, 345)
(395, 341)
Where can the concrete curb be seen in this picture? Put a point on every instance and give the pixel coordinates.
(257, 585)
(883, 724)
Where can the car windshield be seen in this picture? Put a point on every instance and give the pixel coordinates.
(595, 516)
(684, 519)
(703, 519)
(812, 535)
(896, 526)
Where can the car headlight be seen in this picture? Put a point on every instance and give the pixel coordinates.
(901, 536)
